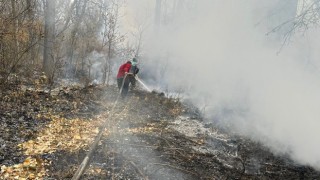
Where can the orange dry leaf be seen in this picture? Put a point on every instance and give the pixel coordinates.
(26, 163)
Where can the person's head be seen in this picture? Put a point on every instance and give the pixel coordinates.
(134, 61)
(128, 62)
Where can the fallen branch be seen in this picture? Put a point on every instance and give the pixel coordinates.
(137, 145)
(85, 161)
(93, 147)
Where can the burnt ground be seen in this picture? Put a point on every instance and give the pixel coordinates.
(149, 137)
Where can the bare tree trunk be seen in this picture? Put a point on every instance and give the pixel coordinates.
(106, 68)
(108, 61)
(80, 11)
(15, 30)
(32, 37)
(110, 34)
(49, 38)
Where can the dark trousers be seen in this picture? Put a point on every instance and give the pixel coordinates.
(132, 80)
(125, 86)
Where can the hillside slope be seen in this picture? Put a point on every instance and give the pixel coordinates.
(46, 135)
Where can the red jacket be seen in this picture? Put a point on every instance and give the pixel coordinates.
(123, 69)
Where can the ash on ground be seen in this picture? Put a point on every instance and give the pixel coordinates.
(149, 137)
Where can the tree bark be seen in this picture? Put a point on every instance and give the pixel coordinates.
(15, 30)
(79, 12)
(32, 36)
(49, 38)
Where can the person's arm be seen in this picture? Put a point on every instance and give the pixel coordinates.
(127, 68)
(136, 71)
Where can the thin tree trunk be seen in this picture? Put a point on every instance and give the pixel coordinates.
(108, 62)
(32, 37)
(15, 30)
(49, 38)
(73, 39)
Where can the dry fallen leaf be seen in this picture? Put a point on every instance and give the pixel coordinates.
(31, 168)
(63, 134)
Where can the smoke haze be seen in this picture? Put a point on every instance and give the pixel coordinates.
(224, 61)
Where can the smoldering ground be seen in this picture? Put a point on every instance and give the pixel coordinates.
(223, 60)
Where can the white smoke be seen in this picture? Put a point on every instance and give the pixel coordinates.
(224, 61)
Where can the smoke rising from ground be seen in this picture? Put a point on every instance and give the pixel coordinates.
(220, 57)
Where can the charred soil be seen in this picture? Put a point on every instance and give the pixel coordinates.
(46, 134)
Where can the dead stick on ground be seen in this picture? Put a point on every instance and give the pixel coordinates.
(137, 145)
(86, 160)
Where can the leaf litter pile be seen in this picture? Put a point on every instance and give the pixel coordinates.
(45, 134)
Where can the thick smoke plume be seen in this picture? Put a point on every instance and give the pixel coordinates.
(218, 52)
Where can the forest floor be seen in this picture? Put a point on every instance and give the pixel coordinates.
(45, 134)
